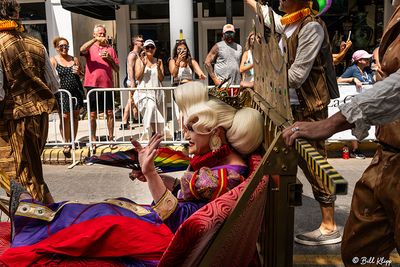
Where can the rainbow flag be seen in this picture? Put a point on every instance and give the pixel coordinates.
(166, 160)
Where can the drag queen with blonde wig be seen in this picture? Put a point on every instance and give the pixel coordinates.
(219, 135)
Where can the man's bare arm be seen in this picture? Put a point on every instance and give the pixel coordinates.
(212, 55)
(131, 68)
(85, 47)
(252, 4)
(317, 130)
(114, 65)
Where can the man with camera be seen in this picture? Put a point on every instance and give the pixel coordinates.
(101, 60)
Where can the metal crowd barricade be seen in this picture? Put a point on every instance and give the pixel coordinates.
(170, 126)
(53, 136)
(163, 97)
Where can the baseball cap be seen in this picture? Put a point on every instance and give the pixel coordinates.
(359, 54)
(149, 42)
(228, 28)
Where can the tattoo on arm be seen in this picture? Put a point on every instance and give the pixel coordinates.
(212, 55)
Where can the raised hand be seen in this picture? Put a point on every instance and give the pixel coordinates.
(217, 82)
(159, 63)
(147, 154)
(144, 60)
(101, 39)
(75, 69)
(105, 55)
(358, 83)
(137, 174)
(181, 56)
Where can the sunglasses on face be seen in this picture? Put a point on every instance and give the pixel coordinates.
(63, 46)
(229, 33)
(140, 41)
(150, 47)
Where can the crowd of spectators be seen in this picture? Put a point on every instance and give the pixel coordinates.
(225, 63)
(310, 71)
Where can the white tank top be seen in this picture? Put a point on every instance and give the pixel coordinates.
(150, 77)
(185, 73)
(249, 75)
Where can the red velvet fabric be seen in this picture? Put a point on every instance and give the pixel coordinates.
(144, 241)
(5, 235)
(195, 234)
(60, 262)
(191, 238)
(197, 231)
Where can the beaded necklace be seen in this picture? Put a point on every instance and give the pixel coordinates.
(295, 16)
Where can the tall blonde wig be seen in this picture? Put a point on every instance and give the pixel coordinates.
(244, 127)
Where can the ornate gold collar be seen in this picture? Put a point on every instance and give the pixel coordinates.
(295, 16)
(9, 25)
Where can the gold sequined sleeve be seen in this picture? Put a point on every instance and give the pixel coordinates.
(166, 205)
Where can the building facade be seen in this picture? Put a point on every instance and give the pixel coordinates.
(199, 22)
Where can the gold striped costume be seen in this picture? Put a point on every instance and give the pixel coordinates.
(24, 112)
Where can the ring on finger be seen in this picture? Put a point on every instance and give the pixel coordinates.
(295, 129)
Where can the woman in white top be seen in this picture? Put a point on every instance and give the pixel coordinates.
(182, 65)
(149, 72)
(246, 65)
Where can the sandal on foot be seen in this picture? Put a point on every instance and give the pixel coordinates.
(112, 146)
(94, 147)
(124, 126)
(67, 151)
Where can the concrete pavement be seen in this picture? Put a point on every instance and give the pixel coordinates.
(97, 182)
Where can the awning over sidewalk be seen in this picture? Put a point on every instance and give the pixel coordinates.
(104, 9)
(99, 9)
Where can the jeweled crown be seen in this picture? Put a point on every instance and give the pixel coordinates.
(234, 97)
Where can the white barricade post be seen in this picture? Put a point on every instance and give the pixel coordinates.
(55, 136)
(156, 111)
(347, 91)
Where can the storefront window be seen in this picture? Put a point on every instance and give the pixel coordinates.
(359, 21)
(195, 9)
(217, 8)
(39, 31)
(32, 11)
(195, 53)
(363, 20)
(33, 17)
(149, 10)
